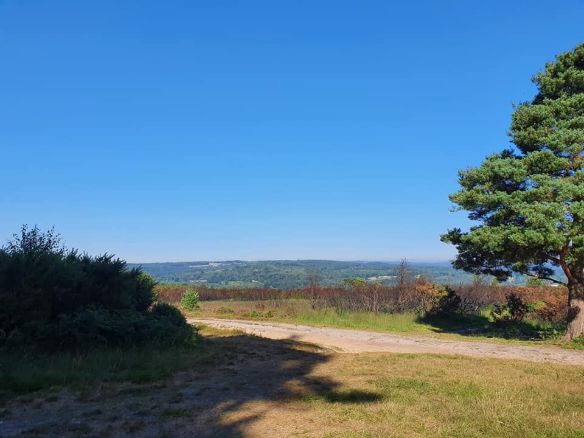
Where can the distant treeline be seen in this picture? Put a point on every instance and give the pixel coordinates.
(299, 274)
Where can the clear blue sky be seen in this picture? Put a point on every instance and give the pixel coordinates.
(197, 130)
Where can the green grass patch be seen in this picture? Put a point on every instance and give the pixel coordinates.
(409, 389)
(399, 322)
(23, 372)
(177, 413)
(299, 311)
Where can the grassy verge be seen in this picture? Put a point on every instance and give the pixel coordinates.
(22, 372)
(260, 387)
(300, 312)
(232, 384)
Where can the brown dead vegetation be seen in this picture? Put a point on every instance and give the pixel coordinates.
(409, 297)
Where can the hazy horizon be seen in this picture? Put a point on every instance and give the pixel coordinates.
(291, 260)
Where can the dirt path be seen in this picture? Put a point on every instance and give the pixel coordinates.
(356, 341)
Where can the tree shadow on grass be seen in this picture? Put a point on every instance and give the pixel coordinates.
(254, 371)
(241, 378)
(481, 326)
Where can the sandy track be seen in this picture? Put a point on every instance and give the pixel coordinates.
(357, 341)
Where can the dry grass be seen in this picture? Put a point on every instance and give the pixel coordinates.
(257, 387)
(446, 396)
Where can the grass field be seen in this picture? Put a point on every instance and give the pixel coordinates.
(445, 396)
(300, 312)
(22, 373)
(254, 387)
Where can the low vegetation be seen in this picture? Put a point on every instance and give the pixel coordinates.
(479, 327)
(21, 372)
(252, 386)
(480, 310)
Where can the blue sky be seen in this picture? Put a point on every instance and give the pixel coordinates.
(199, 130)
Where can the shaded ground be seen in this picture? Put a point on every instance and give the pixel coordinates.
(257, 387)
(219, 400)
(357, 341)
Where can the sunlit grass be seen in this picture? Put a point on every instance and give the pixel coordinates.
(341, 395)
(430, 395)
(399, 322)
(300, 312)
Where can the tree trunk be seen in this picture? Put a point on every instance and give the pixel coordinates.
(575, 311)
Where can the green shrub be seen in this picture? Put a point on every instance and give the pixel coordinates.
(536, 282)
(355, 283)
(446, 303)
(513, 311)
(162, 325)
(57, 298)
(190, 299)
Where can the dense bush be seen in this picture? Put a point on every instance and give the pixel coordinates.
(190, 299)
(514, 310)
(118, 327)
(446, 303)
(58, 297)
(478, 296)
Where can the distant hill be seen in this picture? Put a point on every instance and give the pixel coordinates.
(290, 274)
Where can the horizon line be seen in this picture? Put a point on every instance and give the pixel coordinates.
(297, 260)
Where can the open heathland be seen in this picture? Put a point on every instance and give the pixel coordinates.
(249, 386)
